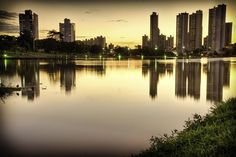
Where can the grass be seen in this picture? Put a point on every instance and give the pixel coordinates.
(213, 135)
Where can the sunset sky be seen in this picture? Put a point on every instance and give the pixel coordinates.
(122, 22)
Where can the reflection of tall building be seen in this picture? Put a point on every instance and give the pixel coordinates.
(68, 76)
(156, 71)
(194, 79)
(182, 32)
(180, 79)
(218, 74)
(216, 28)
(154, 77)
(29, 22)
(154, 30)
(29, 73)
(67, 29)
(188, 79)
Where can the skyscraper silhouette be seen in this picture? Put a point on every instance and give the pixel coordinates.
(216, 28)
(181, 32)
(154, 30)
(67, 29)
(28, 22)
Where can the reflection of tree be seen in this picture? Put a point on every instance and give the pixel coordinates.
(188, 76)
(156, 71)
(67, 76)
(218, 75)
(65, 71)
(29, 73)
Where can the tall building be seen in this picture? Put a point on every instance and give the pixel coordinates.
(162, 42)
(195, 30)
(99, 41)
(145, 41)
(216, 28)
(181, 32)
(228, 33)
(154, 30)
(170, 43)
(29, 23)
(67, 29)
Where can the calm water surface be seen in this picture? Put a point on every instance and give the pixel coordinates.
(106, 106)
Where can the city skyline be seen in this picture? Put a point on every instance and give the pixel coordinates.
(119, 26)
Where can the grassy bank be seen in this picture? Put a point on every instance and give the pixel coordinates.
(211, 135)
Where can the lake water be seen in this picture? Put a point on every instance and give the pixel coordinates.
(106, 107)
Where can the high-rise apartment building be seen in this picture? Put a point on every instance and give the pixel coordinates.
(145, 42)
(181, 32)
(195, 30)
(228, 33)
(28, 22)
(216, 28)
(67, 29)
(170, 43)
(154, 30)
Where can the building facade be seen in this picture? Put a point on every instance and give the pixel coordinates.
(195, 30)
(170, 43)
(228, 33)
(67, 29)
(154, 30)
(28, 22)
(216, 28)
(181, 32)
(145, 42)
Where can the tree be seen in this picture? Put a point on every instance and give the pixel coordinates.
(26, 40)
(55, 35)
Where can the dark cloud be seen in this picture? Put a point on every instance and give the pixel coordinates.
(91, 11)
(6, 27)
(5, 15)
(118, 20)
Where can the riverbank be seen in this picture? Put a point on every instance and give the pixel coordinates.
(42, 55)
(211, 135)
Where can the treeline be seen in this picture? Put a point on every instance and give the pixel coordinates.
(54, 44)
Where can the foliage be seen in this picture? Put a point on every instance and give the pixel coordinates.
(7, 43)
(26, 41)
(212, 135)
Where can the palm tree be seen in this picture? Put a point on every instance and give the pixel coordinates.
(55, 35)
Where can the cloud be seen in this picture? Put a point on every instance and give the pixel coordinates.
(5, 15)
(6, 27)
(91, 11)
(118, 20)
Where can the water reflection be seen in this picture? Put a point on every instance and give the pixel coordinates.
(156, 70)
(188, 79)
(187, 75)
(100, 105)
(218, 76)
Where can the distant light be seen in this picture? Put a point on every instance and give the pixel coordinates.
(165, 56)
(183, 47)
(100, 56)
(119, 57)
(5, 55)
(155, 48)
(142, 56)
